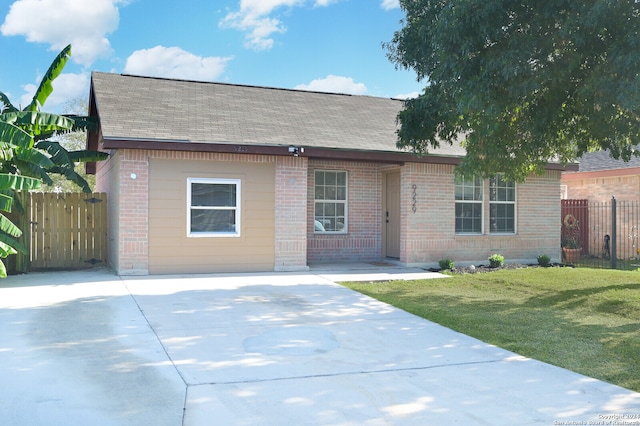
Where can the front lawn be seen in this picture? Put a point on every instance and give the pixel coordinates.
(585, 320)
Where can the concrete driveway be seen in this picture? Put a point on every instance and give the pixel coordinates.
(91, 348)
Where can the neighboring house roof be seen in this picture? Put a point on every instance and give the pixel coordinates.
(602, 160)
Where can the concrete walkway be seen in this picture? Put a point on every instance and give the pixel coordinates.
(91, 348)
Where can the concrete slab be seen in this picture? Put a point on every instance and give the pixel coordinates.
(76, 350)
(246, 349)
(371, 272)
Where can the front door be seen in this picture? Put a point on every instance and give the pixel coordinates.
(392, 215)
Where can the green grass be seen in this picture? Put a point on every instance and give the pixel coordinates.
(585, 320)
(598, 262)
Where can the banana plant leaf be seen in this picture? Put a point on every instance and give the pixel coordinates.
(80, 124)
(17, 206)
(5, 203)
(39, 124)
(83, 122)
(71, 175)
(16, 182)
(7, 226)
(3, 270)
(34, 157)
(8, 106)
(46, 86)
(14, 136)
(87, 156)
(59, 155)
(32, 170)
(10, 246)
(6, 154)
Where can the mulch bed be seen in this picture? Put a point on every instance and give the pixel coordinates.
(485, 268)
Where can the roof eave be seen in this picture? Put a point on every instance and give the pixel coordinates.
(284, 150)
(278, 150)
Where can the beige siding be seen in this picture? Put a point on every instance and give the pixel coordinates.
(171, 251)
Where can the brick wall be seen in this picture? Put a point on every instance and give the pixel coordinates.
(133, 244)
(291, 213)
(601, 186)
(364, 238)
(428, 235)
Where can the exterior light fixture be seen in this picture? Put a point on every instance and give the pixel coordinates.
(296, 150)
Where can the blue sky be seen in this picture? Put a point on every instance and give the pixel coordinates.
(324, 45)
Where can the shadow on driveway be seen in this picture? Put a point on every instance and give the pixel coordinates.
(93, 348)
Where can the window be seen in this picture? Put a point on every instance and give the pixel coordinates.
(502, 205)
(469, 206)
(330, 201)
(213, 207)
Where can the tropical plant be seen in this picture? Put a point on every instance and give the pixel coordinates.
(49, 156)
(16, 145)
(27, 157)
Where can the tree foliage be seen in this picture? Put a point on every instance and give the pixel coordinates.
(72, 141)
(521, 82)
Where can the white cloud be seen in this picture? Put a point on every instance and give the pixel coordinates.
(173, 62)
(410, 95)
(254, 19)
(58, 23)
(334, 84)
(65, 87)
(390, 4)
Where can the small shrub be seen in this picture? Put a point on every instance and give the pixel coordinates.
(496, 260)
(544, 260)
(446, 264)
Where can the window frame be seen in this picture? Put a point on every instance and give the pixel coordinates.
(463, 180)
(237, 208)
(345, 202)
(511, 186)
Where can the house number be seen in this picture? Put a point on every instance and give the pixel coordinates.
(414, 198)
(242, 148)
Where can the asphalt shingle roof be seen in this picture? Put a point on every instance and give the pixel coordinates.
(156, 109)
(601, 160)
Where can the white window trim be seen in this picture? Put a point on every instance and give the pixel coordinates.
(482, 212)
(346, 203)
(237, 208)
(515, 211)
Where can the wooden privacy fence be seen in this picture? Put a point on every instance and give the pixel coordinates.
(67, 230)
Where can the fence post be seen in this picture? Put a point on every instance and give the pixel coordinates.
(614, 233)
